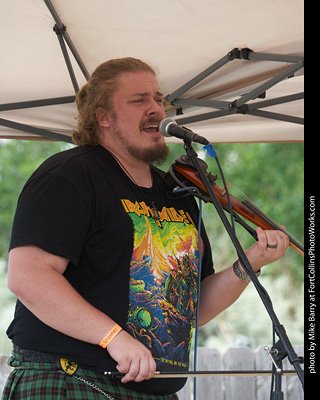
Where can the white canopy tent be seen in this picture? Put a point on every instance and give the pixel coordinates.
(42, 68)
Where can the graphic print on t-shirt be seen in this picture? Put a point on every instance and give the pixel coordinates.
(163, 283)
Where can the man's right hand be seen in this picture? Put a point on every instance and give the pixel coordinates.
(133, 358)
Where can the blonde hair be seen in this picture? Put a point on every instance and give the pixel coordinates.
(98, 92)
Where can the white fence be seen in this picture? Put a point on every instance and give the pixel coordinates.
(242, 387)
(226, 387)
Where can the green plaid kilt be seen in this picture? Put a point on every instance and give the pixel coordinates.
(46, 381)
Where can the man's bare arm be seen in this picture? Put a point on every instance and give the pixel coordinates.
(36, 277)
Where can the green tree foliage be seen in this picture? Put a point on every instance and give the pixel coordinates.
(18, 160)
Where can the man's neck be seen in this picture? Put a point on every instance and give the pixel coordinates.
(138, 171)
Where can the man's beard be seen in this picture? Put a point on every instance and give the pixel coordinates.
(157, 154)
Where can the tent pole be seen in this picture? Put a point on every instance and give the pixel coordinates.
(240, 105)
(245, 54)
(67, 39)
(224, 105)
(214, 67)
(276, 116)
(35, 131)
(37, 103)
(236, 53)
(273, 57)
(276, 101)
(60, 33)
(267, 85)
(202, 117)
(221, 105)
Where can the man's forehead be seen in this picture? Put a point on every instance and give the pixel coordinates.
(139, 83)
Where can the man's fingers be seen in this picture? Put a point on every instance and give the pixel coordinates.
(139, 370)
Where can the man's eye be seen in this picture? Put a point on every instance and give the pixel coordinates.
(159, 101)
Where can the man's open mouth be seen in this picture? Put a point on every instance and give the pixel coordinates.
(151, 128)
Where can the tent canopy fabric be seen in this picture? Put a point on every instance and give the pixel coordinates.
(50, 47)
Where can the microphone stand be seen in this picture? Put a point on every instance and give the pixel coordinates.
(284, 347)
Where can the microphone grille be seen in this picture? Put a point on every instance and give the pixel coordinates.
(164, 126)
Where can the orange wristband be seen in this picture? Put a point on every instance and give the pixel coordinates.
(110, 336)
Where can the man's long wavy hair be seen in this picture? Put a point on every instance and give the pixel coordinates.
(98, 92)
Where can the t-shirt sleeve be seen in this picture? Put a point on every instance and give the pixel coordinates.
(53, 214)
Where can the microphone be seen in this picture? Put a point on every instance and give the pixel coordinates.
(168, 127)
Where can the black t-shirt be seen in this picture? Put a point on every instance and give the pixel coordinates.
(140, 271)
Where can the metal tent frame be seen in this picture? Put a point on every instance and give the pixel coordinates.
(225, 108)
(240, 106)
(64, 41)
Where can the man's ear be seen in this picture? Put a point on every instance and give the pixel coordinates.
(102, 117)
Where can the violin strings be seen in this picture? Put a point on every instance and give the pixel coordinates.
(246, 201)
(235, 190)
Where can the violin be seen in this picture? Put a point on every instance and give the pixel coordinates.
(183, 173)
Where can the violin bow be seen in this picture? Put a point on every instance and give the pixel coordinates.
(190, 374)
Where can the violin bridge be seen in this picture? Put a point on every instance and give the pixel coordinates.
(224, 190)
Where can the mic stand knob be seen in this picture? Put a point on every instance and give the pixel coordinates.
(277, 354)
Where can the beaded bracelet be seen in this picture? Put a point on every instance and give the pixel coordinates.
(241, 274)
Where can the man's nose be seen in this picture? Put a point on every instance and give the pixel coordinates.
(154, 107)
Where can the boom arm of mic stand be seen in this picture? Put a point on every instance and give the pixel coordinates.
(279, 329)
